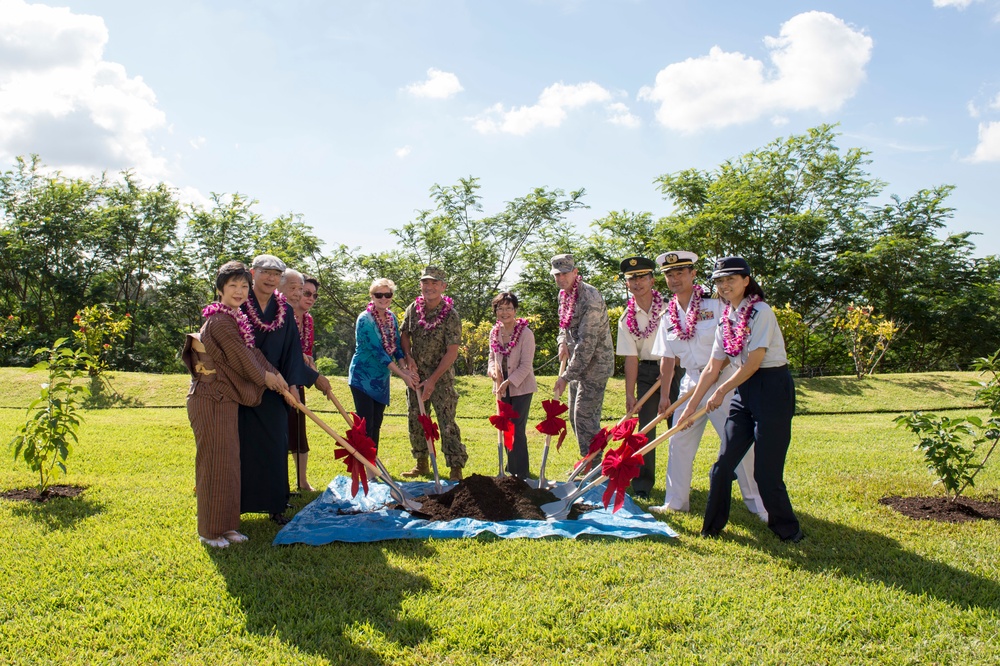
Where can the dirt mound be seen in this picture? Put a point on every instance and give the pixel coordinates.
(32, 494)
(944, 509)
(491, 499)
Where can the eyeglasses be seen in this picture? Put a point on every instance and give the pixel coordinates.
(309, 294)
(380, 294)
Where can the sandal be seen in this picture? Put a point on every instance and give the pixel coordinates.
(214, 543)
(279, 518)
(232, 536)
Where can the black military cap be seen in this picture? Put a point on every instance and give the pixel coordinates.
(636, 266)
(730, 266)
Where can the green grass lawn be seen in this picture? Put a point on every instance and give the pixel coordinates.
(117, 575)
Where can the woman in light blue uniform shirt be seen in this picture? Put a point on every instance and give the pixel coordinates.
(761, 410)
(377, 352)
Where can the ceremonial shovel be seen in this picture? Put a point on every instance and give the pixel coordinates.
(590, 456)
(568, 487)
(548, 438)
(560, 510)
(350, 424)
(397, 492)
(431, 451)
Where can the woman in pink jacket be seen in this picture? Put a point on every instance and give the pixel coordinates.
(512, 353)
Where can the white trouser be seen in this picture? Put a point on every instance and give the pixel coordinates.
(684, 446)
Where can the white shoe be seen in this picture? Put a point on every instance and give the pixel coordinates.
(214, 543)
(233, 536)
(660, 508)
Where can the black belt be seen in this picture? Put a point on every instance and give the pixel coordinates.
(774, 369)
(644, 362)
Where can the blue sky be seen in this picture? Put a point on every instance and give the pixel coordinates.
(348, 112)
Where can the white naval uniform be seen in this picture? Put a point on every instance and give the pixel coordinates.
(694, 355)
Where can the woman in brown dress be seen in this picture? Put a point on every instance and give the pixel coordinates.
(227, 371)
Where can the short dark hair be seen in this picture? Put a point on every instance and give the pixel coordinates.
(504, 297)
(309, 279)
(232, 270)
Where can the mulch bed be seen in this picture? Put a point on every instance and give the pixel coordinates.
(490, 499)
(943, 509)
(32, 494)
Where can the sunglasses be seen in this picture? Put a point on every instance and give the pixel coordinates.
(380, 294)
(308, 294)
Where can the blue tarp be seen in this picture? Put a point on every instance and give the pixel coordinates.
(336, 516)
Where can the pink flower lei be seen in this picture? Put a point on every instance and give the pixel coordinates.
(307, 335)
(445, 309)
(251, 312)
(567, 303)
(655, 312)
(386, 329)
(686, 332)
(515, 337)
(241, 320)
(734, 340)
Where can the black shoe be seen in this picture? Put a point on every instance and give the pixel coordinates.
(795, 538)
(640, 494)
(279, 518)
(710, 534)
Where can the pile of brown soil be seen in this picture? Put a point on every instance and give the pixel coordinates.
(32, 494)
(943, 509)
(491, 499)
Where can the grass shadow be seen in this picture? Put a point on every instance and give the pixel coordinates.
(322, 599)
(866, 556)
(104, 396)
(59, 513)
(835, 385)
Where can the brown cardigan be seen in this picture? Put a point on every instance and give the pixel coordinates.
(221, 364)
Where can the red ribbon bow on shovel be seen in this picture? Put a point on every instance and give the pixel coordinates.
(620, 465)
(503, 421)
(597, 445)
(431, 433)
(553, 425)
(623, 433)
(358, 437)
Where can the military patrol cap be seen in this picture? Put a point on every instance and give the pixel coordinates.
(668, 261)
(562, 263)
(434, 273)
(637, 266)
(730, 266)
(268, 262)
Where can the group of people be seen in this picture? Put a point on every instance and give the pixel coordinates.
(725, 354)
(246, 362)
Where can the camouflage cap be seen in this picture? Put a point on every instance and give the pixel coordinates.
(434, 273)
(562, 263)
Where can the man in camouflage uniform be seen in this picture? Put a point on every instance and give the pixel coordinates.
(585, 343)
(430, 336)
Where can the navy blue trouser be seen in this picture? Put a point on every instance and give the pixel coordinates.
(761, 414)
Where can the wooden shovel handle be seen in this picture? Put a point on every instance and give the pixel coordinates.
(372, 469)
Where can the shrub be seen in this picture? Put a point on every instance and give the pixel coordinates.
(46, 439)
(943, 440)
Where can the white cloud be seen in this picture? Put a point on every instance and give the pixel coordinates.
(439, 85)
(780, 121)
(60, 98)
(910, 120)
(550, 111)
(817, 62)
(403, 152)
(960, 4)
(988, 149)
(619, 114)
(198, 142)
